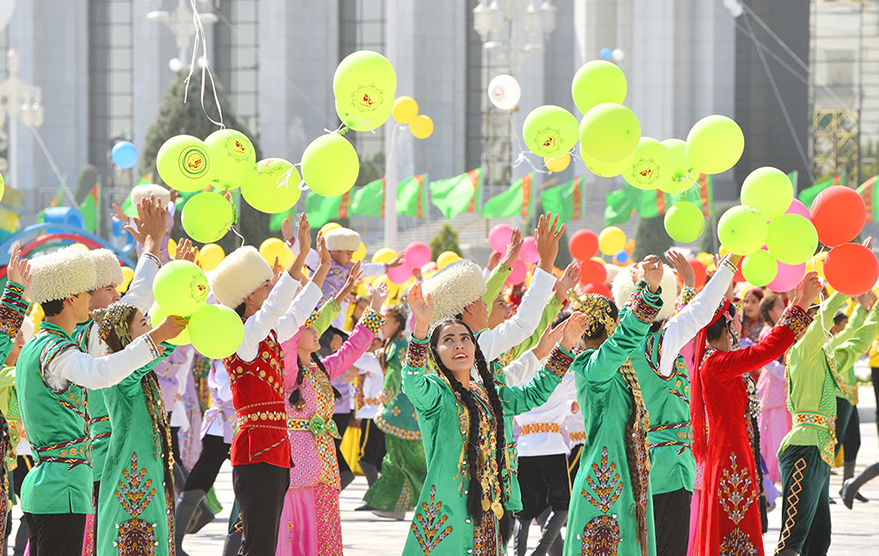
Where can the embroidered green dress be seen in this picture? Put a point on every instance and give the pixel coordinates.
(12, 309)
(441, 524)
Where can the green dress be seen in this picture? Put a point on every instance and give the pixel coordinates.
(136, 502)
(441, 524)
(602, 515)
(404, 466)
(99, 419)
(12, 310)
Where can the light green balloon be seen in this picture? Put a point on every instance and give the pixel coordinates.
(684, 222)
(216, 331)
(596, 82)
(610, 132)
(759, 268)
(550, 131)
(715, 144)
(232, 155)
(742, 230)
(184, 163)
(157, 315)
(181, 288)
(364, 82)
(768, 190)
(366, 122)
(792, 239)
(330, 165)
(605, 169)
(275, 188)
(651, 165)
(206, 217)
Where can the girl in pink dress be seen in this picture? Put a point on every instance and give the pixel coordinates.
(774, 420)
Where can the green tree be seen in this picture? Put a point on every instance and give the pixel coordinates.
(176, 118)
(651, 238)
(86, 179)
(445, 240)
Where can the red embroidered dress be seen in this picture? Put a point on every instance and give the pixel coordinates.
(729, 514)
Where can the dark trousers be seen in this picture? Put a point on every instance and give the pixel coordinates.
(805, 510)
(874, 373)
(372, 443)
(543, 481)
(260, 489)
(56, 534)
(175, 444)
(848, 429)
(671, 518)
(213, 453)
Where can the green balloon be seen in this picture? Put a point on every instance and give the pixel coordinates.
(550, 131)
(609, 132)
(330, 165)
(651, 165)
(184, 163)
(715, 144)
(275, 188)
(742, 230)
(792, 239)
(364, 82)
(605, 169)
(181, 288)
(216, 331)
(232, 155)
(157, 315)
(684, 222)
(768, 190)
(759, 268)
(366, 122)
(206, 217)
(596, 82)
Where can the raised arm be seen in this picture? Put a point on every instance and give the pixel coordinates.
(812, 342)
(12, 303)
(863, 304)
(847, 353)
(360, 339)
(425, 394)
(494, 284)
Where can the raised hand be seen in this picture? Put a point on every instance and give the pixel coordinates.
(377, 295)
(287, 230)
(396, 261)
(322, 250)
(168, 329)
(568, 280)
(868, 243)
(277, 270)
(119, 214)
(303, 234)
(573, 330)
(493, 260)
(354, 276)
(548, 339)
(513, 249)
(19, 270)
(546, 238)
(807, 290)
(651, 266)
(185, 251)
(422, 310)
(682, 268)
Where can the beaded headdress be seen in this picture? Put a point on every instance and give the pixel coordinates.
(598, 311)
(115, 317)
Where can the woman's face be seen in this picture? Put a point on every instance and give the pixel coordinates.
(309, 341)
(391, 326)
(139, 325)
(455, 348)
(751, 306)
(737, 325)
(776, 311)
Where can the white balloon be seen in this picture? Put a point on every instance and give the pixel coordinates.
(7, 8)
(176, 65)
(618, 54)
(504, 92)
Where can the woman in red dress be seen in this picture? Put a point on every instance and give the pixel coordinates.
(729, 514)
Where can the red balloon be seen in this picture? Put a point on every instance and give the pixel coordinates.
(592, 271)
(839, 215)
(851, 268)
(739, 277)
(700, 270)
(599, 288)
(583, 245)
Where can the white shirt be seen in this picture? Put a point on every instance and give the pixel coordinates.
(554, 411)
(179, 417)
(219, 417)
(373, 383)
(72, 365)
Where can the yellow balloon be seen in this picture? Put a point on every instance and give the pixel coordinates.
(360, 254)
(273, 248)
(79, 246)
(172, 247)
(598, 259)
(330, 226)
(446, 258)
(421, 126)
(157, 315)
(384, 255)
(816, 263)
(405, 110)
(558, 163)
(127, 276)
(392, 287)
(210, 256)
(611, 240)
(723, 250)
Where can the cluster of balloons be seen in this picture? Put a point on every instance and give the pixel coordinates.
(181, 289)
(499, 238)
(415, 256)
(406, 112)
(584, 246)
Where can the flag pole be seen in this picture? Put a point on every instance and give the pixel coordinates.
(391, 194)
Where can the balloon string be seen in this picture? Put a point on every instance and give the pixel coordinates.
(234, 229)
(523, 154)
(201, 38)
(284, 180)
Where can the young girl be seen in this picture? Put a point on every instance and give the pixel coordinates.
(311, 505)
(461, 508)
(136, 501)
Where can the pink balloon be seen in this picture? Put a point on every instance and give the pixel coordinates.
(429, 267)
(529, 252)
(400, 274)
(517, 274)
(788, 277)
(499, 237)
(418, 254)
(797, 207)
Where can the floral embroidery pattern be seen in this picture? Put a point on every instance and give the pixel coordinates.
(558, 362)
(601, 536)
(736, 495)
(417, 354)
(135, 536)
(607, 484)
(431, 524)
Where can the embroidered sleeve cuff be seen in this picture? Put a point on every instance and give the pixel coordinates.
(417, 356)
(12, 309)
(730, 266)
(315, 314)
(153, 258)
(371, 320)
(559, 361)
(687, 295)
(645, 305)
(796, 319)
(154, 349)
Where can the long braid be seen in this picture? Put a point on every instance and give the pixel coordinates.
(399, 315)
(636, 452)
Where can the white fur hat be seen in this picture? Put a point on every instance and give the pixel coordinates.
(108, 272)
(61, 275)
(145, 190)
(612, 271)
(239, 275)
(453, 288)
(623, 286)
(342, 239)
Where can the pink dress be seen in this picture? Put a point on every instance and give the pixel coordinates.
(310, 522)
(774, 420)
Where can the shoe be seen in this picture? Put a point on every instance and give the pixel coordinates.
(851, 486)
(364, 508)
(771, 507)
(399, 516)
(831, 500)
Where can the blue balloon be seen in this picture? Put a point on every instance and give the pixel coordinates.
(621, 257)
(124, 154)
(606, 53)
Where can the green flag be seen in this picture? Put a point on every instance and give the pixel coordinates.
(808, 195)
(410, 196)
(515, 201)
(867, 190)
(456, 195)
(321, 210)
(369, 200)
(89, 207)
(624, 203)
(566, 200)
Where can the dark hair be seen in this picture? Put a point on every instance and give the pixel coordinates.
(53, 308)
(756, 292)
(112, 340)
(766, 305)
(716, 330)
(474, 488)
(295, 398)
(839, 317)
(398, 314)
(241, 308)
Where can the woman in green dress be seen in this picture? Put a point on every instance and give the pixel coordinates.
(136, 501)
(461, 507)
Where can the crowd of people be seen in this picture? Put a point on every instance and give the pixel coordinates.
(659, 420)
